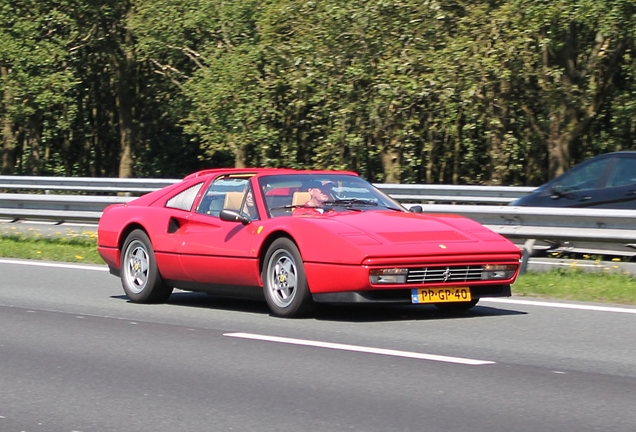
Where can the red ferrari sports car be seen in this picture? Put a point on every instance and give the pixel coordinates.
(298, 238)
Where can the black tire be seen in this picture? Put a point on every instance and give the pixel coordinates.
(139, 274)
(284, 281)
(456, 307)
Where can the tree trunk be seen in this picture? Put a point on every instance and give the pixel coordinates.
(457, 147)
(240, 155)
(34, 141)
(126, 94)
(430, 149)
(499, 156)
(558, 151)
(391, 165)
(571, 116)
(9, 138)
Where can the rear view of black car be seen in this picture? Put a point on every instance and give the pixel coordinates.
(605, 181)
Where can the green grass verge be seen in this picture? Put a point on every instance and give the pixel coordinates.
(565, 284)
(79, 249)
(568, 284)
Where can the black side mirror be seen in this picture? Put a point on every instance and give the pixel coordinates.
(415, 209)
(234, 216)
(557, 191)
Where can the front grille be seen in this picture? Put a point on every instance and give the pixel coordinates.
(448, 274)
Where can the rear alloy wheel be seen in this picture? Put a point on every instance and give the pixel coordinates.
(456, 307)
(139, 274)
(284, 280)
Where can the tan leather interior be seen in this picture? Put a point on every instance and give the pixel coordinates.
(300, 198)
(233, 200)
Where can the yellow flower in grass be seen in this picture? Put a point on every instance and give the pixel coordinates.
(79, 257)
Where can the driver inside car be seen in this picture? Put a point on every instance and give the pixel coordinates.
(319, 194)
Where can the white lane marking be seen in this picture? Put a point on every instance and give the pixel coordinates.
(362, 349)
(57, 265)
(492, 300)
(561, 305)
(572, 264)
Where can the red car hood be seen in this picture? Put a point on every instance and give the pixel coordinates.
(393, 234)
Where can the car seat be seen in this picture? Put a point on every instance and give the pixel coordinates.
(233, 200)
(300, 198)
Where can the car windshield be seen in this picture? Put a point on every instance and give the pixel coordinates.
(284, 194)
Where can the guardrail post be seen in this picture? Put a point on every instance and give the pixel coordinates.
(525, 256)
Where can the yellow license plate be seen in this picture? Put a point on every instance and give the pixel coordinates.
(441, 295)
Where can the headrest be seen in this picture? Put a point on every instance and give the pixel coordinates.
(233, 200)
(300, 198)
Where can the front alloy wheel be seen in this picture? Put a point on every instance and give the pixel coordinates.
(284, 280)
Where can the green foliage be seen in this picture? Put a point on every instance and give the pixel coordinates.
(499, 92)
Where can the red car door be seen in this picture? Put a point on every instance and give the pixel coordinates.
(218, 252)
(213, 251)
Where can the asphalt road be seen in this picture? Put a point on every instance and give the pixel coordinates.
(75, 355)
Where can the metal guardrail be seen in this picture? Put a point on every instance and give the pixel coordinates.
(57, 208)
(548, 223)
(80, 206)
(602, 229)
(85, 206)
(400, 192)
(83, 184)
(454, 193)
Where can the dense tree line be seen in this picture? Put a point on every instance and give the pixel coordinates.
(426, 91)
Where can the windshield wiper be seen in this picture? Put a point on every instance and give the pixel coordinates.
(351, 202)
(291, 206)
(346, 203)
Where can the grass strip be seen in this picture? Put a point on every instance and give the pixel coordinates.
(80, 249)
(601, 286)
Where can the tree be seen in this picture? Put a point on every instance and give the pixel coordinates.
(35, 84)
(575, 53)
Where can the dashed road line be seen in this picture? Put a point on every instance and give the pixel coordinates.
(361, 349)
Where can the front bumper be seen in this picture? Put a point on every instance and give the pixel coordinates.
(401, 296)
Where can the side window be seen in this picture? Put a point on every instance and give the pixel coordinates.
(224, 192)
(585, 177)
(249, 207)
(184, 199)
(623, 174)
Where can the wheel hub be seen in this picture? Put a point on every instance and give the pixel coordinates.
(137, 268)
